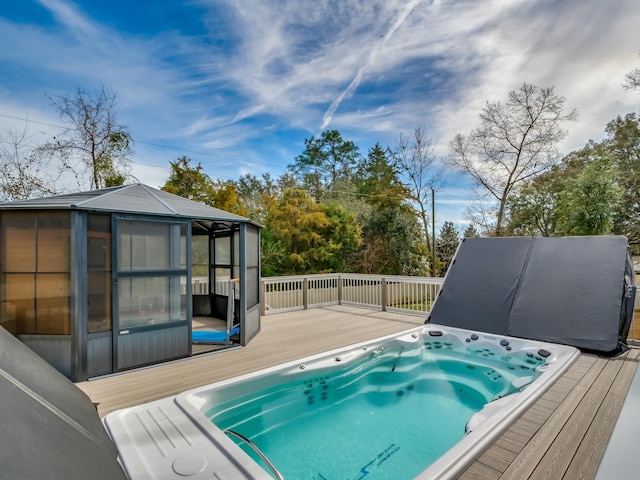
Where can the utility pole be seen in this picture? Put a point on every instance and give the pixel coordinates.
(433, 232)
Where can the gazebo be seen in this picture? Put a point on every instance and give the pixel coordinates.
(108, 280)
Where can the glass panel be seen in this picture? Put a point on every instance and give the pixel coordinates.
(252, 286)
(177, 305)
(99, 302)
(183, 246)
(18, 242)
(99, 243)
(52, 304)
(54, 242)
(222, 250)
(144, 245)
(17, 308)
(236, 248)
(175, 245)
(150, 301)
(99, 299)
(222, 276)
(253, 246)
(124, 245)
(199, 256)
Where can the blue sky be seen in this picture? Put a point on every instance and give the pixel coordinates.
(237, 85)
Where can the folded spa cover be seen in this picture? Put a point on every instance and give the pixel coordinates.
(576, 291)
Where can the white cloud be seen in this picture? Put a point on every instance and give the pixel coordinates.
(371, 69)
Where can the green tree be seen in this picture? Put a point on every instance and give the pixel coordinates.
(257, 194)
(471, 232)
(392, 242)
(377, 179)
(593, 190)
(188, 181)
(515, 142)
(225, 196)
(192, 183)
(326, 164)
(579, 197)
(273, 254)
(446, 245)
(587, 205)
(344, 236)
(93, 140)
(533, 208)
(623, 145)
(316, 237)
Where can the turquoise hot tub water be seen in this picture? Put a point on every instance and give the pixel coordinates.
(389, 415)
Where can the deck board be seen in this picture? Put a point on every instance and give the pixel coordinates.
(562, 436)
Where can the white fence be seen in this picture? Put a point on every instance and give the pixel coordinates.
(390, 293)
(200, 286)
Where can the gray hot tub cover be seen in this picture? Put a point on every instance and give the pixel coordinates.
(576, 291)
(50, 428)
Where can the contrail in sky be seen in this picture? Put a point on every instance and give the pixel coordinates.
(328, 115)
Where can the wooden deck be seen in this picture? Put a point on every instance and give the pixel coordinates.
(562, 436)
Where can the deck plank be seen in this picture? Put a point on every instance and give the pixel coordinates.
(479, 471)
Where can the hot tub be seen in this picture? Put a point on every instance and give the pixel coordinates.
(422, 404)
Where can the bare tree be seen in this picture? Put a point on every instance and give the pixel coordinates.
(516, 141)
(632, 80)
(93, 141)
(23, 173)
(417, 161)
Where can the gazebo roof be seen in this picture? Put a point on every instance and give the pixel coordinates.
(136, 198)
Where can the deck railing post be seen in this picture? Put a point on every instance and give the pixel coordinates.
(383, 294)
(339, 290)
(305, 292)
(263, 307)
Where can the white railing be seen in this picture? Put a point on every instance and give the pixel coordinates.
(389, 293)
(200, 286)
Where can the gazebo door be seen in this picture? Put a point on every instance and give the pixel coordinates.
(151, 286)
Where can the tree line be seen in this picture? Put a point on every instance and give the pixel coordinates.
(337, 209)
(334, 210)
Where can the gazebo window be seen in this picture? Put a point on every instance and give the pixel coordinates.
(222, 270)
(151, 270)
(35, 273)
(253, 266)
(99, 273)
